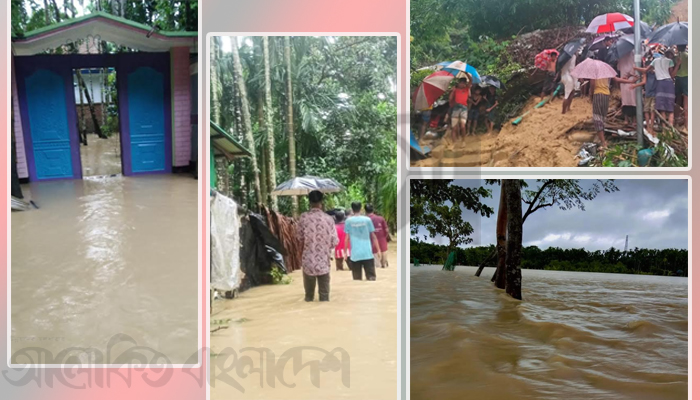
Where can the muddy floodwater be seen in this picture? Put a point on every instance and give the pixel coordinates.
(360, 319)
(574, 336)
(107, 256)
(101, 156)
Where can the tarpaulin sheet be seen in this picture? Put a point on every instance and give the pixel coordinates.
(225, 244)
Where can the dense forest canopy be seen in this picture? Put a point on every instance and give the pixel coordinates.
(465, 29)
(343, 116)
(165, 15)
(634, 261)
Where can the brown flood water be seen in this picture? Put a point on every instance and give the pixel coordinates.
(104, 256)
(360, 318)
(574, 336)
(101, 156)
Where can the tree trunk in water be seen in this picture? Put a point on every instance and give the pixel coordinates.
(501, 229)
(214, 84)
(95, 122)
(515, 238)
(290, 121)
(247, 126)
(269, 127)
(483, 263)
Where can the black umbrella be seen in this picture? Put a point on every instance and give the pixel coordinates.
(493, 81)
(644, 27)
(671, 34)
(620, 48)
(306, 184)
(570, 49)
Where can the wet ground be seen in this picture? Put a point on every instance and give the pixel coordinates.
(104, 256)
(544, 138)
(360, 319)
(101, 156)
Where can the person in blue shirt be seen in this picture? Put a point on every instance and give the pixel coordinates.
(360, 237)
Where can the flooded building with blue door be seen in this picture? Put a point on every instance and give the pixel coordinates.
(152, 97)
(105, 133)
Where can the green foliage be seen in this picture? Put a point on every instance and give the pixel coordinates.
(436, 204)
(279, 276)
(344, 109)
(635, 261)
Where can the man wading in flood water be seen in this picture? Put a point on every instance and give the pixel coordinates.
(381, 231)
(316, 232)
(360, 237)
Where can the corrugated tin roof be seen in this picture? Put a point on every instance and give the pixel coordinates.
(108, 27)
(223, 144)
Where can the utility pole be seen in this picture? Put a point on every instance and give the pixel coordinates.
(638, 63)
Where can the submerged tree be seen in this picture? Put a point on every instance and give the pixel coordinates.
(563, 193)
(515, 237)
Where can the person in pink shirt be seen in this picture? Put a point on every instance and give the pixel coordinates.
(317, 234)
(381, 230)
(341, 253)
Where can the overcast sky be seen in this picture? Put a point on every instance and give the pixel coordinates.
(653, 212)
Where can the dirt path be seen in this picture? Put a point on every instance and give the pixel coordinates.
(542, 139)
(360, 319)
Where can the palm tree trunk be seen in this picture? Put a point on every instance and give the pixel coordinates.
(214, 84)
(269, 127)
(515, 238)
(265, 184)
(290, 121)
(247, 126)
(501, 229)
(84, 88)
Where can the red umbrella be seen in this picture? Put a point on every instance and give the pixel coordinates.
(432, 87)
(593, 69)
(610, 22)
(542, 59)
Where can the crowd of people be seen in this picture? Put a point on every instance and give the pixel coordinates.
(663, 77)
(322, 232)
(468, 105)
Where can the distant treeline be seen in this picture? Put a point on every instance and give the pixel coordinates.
(636, 261)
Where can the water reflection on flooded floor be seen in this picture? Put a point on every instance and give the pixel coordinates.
(104, 256)
(574, 336)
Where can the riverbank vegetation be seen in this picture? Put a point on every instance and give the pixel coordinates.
(635, 261)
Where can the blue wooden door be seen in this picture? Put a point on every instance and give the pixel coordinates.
(145, 88)
(48, 122)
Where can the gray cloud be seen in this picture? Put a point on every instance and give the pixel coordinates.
(653, 212)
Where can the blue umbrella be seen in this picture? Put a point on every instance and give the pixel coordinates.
(455, 67)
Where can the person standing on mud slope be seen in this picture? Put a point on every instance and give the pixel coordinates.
(459, 101)
(359, 231)
(381, 231)
(600, 97)
(550, 82)
(317, 235)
